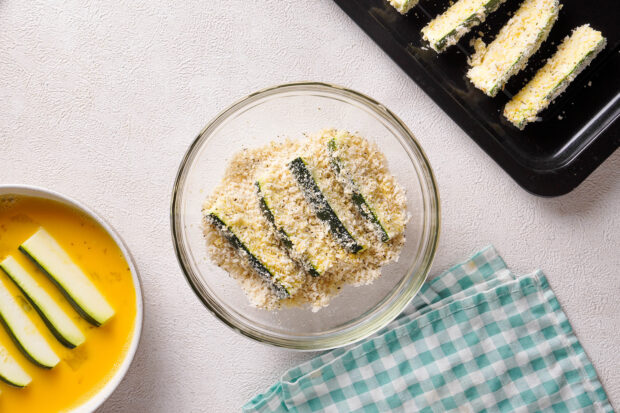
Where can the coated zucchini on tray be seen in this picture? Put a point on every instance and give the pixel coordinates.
(492, 65)
(573, 55)
(59, 323)
(517, 41)
(11, 372)
(24, 332)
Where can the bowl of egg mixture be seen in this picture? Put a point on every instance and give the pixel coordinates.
(70, 304)
(305, 216)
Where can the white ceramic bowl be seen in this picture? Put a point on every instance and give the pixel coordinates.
(104, 392)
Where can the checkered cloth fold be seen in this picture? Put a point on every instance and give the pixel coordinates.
(475, 339)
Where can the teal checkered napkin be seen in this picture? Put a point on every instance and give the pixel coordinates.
(475, 339)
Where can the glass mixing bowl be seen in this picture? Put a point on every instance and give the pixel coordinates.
(291, 110)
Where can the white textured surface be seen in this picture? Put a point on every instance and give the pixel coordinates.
(101, 99)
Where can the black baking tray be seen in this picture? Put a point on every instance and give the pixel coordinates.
(577, 132)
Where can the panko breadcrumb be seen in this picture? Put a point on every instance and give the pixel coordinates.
(516, 42)
(308, 238)
(573, 55)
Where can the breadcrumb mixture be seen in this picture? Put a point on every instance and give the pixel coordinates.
(309, 240)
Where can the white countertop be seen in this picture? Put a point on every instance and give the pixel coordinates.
(101, 100)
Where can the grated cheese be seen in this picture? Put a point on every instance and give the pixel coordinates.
(573, 55)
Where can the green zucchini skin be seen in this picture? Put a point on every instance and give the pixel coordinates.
(255, 263)
(49, 324)
(280, 232)
(321, 207)
(46, 320)
(357, 198)
(72, 336)
(10, 383)
(6, 378)
(64, 292)
(11, 372)
(15, 331)
(70, 279)
(20, 346)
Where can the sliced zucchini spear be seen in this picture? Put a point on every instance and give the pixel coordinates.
(11, 372)
(23, 331)
(79, 290)
(260, 268)
(319, 205)
(447, 28)
(357, 197)
(281, 233)
(59, 323)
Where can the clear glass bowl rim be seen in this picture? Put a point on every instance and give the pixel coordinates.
(346, 336)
